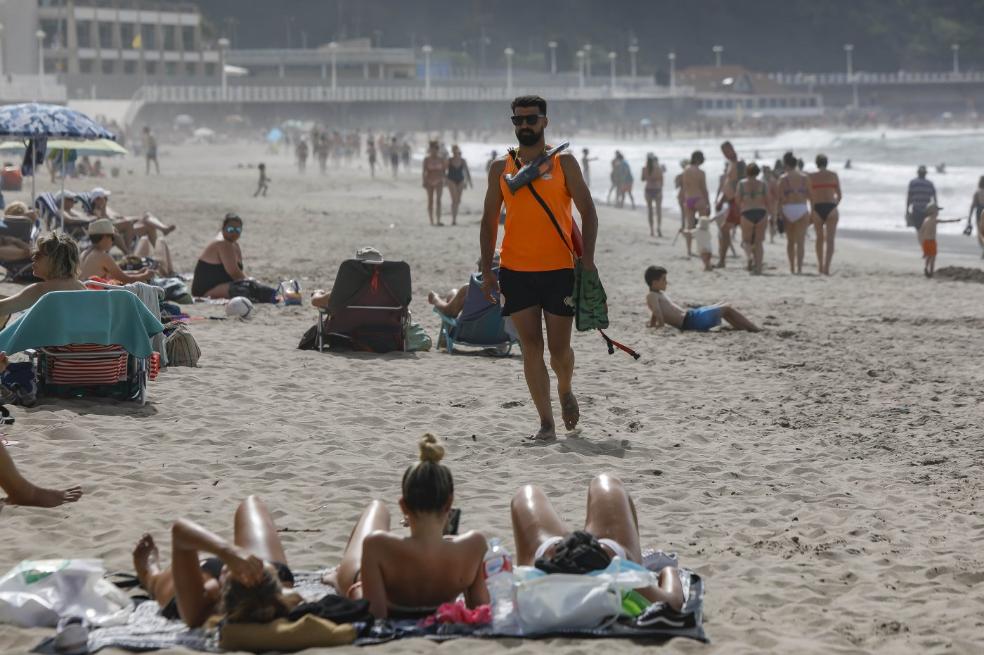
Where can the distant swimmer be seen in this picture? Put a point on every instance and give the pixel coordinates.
(921, 193)
(652, 176)
(847, 165)
(794, 196)
(825, 196)
(941, 168)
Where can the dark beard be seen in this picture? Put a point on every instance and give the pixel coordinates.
(528, 137)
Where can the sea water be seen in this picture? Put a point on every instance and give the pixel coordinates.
(882, 163)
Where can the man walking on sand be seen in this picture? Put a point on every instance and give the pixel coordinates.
(921, 193)
(536, 276)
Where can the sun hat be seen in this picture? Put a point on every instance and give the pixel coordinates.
(368, 254)
(101, 226)
(100, 192)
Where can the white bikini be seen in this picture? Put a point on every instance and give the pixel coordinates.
(795, 210)
(612, 545)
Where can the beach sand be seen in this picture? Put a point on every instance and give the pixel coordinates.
(823, 476)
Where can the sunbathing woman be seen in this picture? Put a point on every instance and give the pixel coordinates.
(131, 230)
(97, 262)
(56, 263)
(21, 492)
(611, 518)
(825, 195)
(245, 580)
(414, 574)
(221, 262)
(794, 194)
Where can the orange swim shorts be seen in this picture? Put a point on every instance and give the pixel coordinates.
(929, 248)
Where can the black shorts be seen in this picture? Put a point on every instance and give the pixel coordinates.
(551, 290)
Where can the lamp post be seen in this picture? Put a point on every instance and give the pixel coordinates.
(509, 52)
(849, 54)
(580, 69)
(633, 51)
(611, 59)
(717, 50)
(956, 57)
(1, 50)
(40, 36)
(672, 58)
(223, 45)
(587, 60)
(427, 50)
(553, 56)
(333, 49)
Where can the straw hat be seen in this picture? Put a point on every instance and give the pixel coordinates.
(101, 226)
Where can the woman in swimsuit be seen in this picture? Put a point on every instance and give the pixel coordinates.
(976, 214)
(794, 194)
(752, 196)
(247, 581)
(611, 518)
(55, 262)
(433, 170)
(652, 175)
(825, 195)
(221, 262)
(458, 175)
(413, 574)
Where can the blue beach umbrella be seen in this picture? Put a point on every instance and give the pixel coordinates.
(275, 135)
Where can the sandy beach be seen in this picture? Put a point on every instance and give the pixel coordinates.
(823, 476)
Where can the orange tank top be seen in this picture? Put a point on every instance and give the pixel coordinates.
(531, 242)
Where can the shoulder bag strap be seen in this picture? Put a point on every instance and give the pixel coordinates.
(543, 204)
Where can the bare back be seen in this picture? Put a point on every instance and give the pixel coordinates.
(824, 187)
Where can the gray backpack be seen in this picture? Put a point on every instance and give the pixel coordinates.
(182, 349)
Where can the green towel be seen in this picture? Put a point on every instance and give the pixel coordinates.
(590, 301)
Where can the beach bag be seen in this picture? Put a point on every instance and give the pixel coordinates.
(37, 593)
(253, 290)
(182, 347)
(417, 339)
(175, 290)
(565, 601)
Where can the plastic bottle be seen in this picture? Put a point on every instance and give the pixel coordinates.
(499, 581)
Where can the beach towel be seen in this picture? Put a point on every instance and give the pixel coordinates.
(58, 318)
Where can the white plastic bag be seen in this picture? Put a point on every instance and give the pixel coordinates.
(38, 592)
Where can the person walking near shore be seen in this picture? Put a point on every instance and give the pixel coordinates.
(150, 150)
(726, 194)
(753, 202)
(693, 190)
(825, 196)
(921, 193)
(433, 171)
(976, 214)
(537, 269)
(652, 175)
(794, 198)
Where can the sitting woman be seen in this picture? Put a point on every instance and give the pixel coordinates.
(56, 264)
(13, 249)
(611, 519)
(221, 262)
(451, 303)
(131, 230)
(97, 262)
(415, 574)
(245, 580)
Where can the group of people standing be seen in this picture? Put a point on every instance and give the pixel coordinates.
(439, 169)
(750, 199)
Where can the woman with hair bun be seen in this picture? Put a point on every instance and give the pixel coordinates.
(413, 575)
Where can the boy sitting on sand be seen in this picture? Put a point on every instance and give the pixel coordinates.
(927, 236)
(701, 319)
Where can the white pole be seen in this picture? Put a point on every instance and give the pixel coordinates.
(509, 52)
(1, 51)
(223, 44)
(580, 69)
(611, 58)
(427, 50)
(956, 57)
(587, 60)
(718, 49)
(553, 57)
(333, 47)
(672, 58)
(40, 36)
(633, 52)
(849, 53)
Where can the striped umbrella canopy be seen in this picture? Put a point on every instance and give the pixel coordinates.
(33, 120)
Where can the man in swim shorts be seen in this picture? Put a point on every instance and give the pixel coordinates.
(700, 319)
(536, 275)
(921, 193)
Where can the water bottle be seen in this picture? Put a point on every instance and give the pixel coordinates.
(499, 581)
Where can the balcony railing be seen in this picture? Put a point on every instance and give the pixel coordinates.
(863, 78)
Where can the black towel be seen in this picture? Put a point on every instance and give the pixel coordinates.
(336, 609)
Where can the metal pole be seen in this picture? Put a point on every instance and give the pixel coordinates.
(580, 69)
(956, 58)
(633, 51)
(611, 58)
(587, 60)
(427, 49)
(1, 51)
(718, 49)
(40, 36)
(553, 57)
(333, 48)
(509, 52)
(849, 53)
(223, 44)
(672, 58)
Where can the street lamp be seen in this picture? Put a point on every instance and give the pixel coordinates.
(672, 58)
(509, 52)
(611, 58)
(633, 51)
(717, 50)
(849, 53)
(223, 45)
(333, 49)
(587, 60)
(40, 36)
(956, 57)
(1, 49)
(580, 69)
(427, 50)
(553, 56)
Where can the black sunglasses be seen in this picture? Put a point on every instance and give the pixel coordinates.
(232, 229)
(529, 119)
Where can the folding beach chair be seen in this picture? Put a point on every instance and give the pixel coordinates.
(50, 211)
(88, 343)
(26, 230)
(480, 324)
(369, 307)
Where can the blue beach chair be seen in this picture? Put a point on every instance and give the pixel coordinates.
(480, 324)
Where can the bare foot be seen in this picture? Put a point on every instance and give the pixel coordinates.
(41, 497)
(146, 560)
(169, 229)
(569, 410)
(432, 298)
(545, 433)
(330, 577)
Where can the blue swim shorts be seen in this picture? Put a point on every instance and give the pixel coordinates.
(702, 319)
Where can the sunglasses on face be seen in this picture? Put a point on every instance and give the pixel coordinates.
(529, 119)
(232, 229)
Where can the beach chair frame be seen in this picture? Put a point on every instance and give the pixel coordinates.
(130, 386)
(27, 231)
(450, 325)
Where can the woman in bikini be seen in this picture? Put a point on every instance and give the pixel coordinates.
(221, 263)
(458, 175)
(752, 196)
(794, 194)
(825, 195)
(976, 214)
(246, 581)
(652, 175)
(433, 171)
(611, 519)
(414, 574)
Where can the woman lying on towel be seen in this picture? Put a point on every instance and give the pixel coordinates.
(56, 263)
(611, 521)
(415, 574)
(247, 581)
